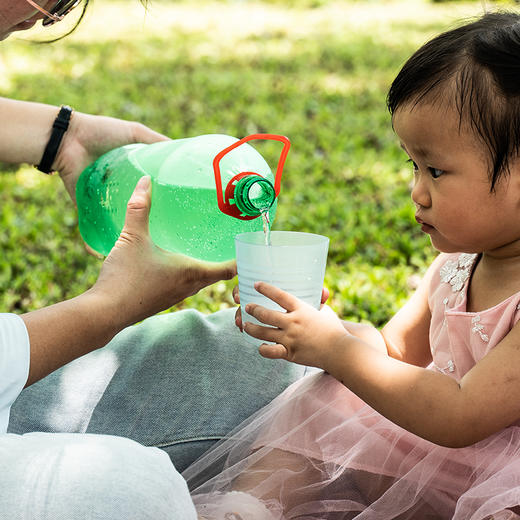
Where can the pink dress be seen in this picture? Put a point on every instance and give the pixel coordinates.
(319, 452)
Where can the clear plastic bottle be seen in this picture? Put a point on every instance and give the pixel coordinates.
(205, 190)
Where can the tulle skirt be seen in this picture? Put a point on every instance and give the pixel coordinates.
(318, 452)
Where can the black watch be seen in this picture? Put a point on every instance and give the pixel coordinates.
(59, 127)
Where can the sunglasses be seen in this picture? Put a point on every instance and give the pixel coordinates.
(58, 12)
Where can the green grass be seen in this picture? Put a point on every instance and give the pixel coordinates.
(316, 71)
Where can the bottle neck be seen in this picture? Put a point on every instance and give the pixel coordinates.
(254, 194)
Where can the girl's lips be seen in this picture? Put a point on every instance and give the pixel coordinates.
(426, 228)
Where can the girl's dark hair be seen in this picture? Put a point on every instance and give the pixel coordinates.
(480, 63)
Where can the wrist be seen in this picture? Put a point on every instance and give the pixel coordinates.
(24, 139)
(60, 126)
(336, 347)
(70, 145)
(103, 313)
(115, 309)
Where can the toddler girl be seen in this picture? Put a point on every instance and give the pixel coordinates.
(422, 419)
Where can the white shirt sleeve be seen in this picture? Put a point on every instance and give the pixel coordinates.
(14, 363)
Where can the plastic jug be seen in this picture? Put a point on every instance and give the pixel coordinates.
(205, 190)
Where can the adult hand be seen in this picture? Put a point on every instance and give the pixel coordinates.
(90, 136)
(238, 315)
(141, 279)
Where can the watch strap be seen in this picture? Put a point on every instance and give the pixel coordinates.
(59, 127)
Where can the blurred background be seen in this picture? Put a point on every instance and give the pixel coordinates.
(316, 71)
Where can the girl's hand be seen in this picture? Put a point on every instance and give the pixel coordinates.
(302, 335)
(139, 279)
(88, 137)
(238, 315)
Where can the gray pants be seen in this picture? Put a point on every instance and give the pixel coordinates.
(179, 382)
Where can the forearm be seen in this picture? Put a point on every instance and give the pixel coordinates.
(367, 333)
(424, 402)
(67, 330)
(24, 130)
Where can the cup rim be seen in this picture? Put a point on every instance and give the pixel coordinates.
(316, 238)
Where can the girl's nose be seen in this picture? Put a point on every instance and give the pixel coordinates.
(420, 192)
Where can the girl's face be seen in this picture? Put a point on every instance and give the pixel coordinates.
(451, 185)
(18, 15)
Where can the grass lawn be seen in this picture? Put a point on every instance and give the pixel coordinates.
(314, 70)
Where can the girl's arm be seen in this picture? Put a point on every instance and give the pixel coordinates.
(407, 334)
(368, 333)
(410, 324)
(430, 404)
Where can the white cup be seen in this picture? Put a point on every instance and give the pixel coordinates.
(294, 262)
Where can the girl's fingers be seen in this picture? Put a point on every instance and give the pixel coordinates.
(325, 293)
(238, 319)
(267, 316)
(236, 295)
(238, 313)
(260, 332)
(273, 351)
(282, 298)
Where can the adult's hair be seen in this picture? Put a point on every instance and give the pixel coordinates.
(476, 68)
(81, 16)
(85, 4)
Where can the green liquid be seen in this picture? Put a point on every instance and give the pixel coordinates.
(176, 224)
(185, 217)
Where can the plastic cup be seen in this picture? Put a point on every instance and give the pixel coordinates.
(294, 262)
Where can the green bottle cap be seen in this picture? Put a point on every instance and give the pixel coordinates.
(254, 194)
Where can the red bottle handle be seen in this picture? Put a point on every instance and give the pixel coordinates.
(224, 205)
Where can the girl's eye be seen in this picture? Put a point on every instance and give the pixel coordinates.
(435, 172)
(415, 167)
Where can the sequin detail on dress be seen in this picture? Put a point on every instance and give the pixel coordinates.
(456, 272)
(450, 367)
(479, 329)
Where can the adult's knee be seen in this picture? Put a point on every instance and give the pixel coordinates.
(91, 476)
